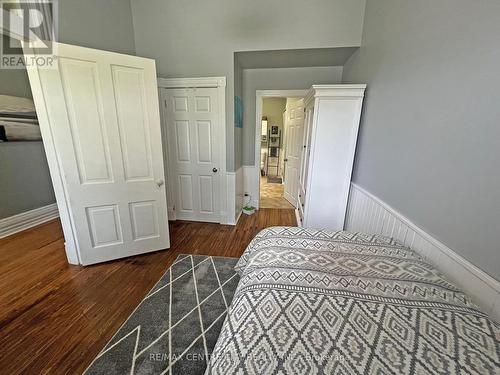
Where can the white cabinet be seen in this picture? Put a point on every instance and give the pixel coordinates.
(330, 135)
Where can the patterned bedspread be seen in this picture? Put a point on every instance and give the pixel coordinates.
(319, 302)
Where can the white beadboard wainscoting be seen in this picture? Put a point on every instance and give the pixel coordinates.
(231, 198)
(251, 181)
(239, 188)
(28, 219)
(367, 213)
(235, 182)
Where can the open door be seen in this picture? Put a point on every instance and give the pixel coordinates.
(99, 117)
(294, 140)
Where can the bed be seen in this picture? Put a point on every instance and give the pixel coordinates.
(321, 302)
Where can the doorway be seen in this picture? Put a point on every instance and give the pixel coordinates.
(279, 122)
(272, 153)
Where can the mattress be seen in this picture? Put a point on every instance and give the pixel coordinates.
(321, 302)
(18, 120)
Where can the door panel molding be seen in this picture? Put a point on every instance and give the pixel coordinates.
(131, 123)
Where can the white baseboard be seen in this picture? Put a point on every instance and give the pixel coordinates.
(28, 219)
(367, 213)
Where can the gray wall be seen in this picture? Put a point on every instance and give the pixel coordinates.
(97, 24)
(429, 141)
(273, 109)
(24, 174)
(192, 38)
(238, 132)
(14, 82)
(24, 180)
(277, 79)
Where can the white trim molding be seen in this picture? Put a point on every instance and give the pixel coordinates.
(341, 90)
(259, 96)
(28, 219)
(367, 213)
(173, 83)
(197, 82)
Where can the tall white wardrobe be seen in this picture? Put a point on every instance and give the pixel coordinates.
(330, 134)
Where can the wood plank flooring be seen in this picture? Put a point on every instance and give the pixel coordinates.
(54, 317)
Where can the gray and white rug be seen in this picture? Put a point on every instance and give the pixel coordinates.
(274, 180)
(175, 327)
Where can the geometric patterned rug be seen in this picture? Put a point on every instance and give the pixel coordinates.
(175, 327)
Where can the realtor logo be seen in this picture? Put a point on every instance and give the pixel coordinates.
(29, 30)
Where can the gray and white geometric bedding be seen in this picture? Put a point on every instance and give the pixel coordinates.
(321, 302)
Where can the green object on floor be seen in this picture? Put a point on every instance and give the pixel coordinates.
(248, 210)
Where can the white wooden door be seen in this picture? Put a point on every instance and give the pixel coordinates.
(99, 117)
(305, 154)
(194, 136)
(294, 145)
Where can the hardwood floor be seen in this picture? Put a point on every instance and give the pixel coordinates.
(55, 318)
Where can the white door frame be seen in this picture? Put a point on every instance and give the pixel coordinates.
(259, 96)
(208, 82)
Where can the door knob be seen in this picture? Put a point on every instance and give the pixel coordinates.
(159, 183)
(214, 170)
(285, 159)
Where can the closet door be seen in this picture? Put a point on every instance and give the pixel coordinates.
(100, 124)
(193, 134)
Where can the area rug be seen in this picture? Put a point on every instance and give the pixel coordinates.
(175, 327)
(274, 180)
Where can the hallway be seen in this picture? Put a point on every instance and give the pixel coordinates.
(271, 195)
